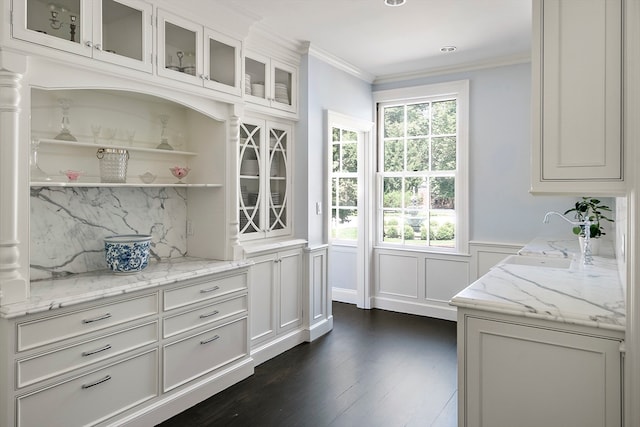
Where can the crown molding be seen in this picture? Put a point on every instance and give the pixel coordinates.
(262, 39)
(337, 62)
(471, 66)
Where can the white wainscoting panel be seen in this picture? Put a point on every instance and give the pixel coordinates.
(399, 275)
(485, 255)
(342, 273)
(444, 278)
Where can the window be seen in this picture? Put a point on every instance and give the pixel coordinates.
(422, 152)
(344, 184)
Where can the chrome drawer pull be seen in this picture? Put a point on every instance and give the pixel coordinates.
(95, 319)
(105, 379)
(204, 291)
(89, 353)
(210, 339)
(213, 313)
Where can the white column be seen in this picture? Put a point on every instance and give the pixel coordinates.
(233, 183)
(13, 287)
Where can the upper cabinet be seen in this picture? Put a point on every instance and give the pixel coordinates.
(577, 96)
(194, 54)
(116, 31)
(270, 83)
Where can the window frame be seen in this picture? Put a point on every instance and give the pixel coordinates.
(432, 92)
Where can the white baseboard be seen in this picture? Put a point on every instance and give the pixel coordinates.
(277, 346)
(319, 329)
(349, 296)
(429, 309)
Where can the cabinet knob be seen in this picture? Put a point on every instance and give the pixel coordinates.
(98, 46)
(204, 77)
(88, 44)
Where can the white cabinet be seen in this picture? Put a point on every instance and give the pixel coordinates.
(531, 373)
(265, 154)
(577, 96)
(275, 297)
(116, 31)
(194, 54)
(270, 83)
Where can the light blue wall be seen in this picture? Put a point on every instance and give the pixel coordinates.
(323, 88)
(501, 207)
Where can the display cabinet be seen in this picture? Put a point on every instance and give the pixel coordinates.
(270, 83)
(116, 31)
(265, 192)
(194, 54)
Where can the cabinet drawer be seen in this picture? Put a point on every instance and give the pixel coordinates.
(56, 328)
(203, 289)
(91, 398)
(210, 313)
(48, 365)
(199, 354)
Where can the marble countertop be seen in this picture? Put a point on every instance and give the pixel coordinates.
(589, 295)
(77, 288)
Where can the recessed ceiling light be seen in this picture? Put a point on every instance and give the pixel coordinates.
(394, 2)
(448, 49)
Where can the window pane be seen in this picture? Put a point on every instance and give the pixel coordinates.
(346, 225)
(336, 157)
(348, 191)
(392, 193)
(442, 229)
(349, 136)
(417, 155)
(444, 117)
(334, 191)
(350, 157)
(392, 226)
(335, 134)
(394, 122)
(443, 151)
(443, 193)
(418, 119)
(393, 156)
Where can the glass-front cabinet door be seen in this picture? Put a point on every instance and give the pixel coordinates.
(179, 48)
(264, 155)
(123, 32)
(117, 31)
(271, 83)
(222, 62)
(64, 25)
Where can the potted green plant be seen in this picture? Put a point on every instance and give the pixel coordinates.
(590, 209)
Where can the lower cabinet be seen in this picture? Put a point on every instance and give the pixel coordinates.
(513, 372)
(133, 360)
(275, 297)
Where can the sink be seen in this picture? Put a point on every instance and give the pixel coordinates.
(536, 261)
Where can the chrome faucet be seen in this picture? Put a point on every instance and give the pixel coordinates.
(587, 257)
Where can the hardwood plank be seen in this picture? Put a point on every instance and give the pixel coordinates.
(376, 368)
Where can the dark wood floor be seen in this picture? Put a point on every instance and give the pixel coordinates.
(376, 368)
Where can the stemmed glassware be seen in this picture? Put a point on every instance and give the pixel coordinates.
(95, 130)
(164, 141)
(37, 174)
(65, 133)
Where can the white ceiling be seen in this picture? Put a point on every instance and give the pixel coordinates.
(385, 41)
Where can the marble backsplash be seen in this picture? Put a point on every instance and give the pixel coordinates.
(68, 225)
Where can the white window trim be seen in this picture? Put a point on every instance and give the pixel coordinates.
(459, 89)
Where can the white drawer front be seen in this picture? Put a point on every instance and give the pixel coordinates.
(58, 362)
(91, 398)
(56, 328)
(199, 354)
(210, 313)
(203, 289)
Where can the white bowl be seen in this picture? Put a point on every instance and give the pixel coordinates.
(127, 253)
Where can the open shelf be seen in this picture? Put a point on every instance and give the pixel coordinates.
(113, 184)
(120, 147)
